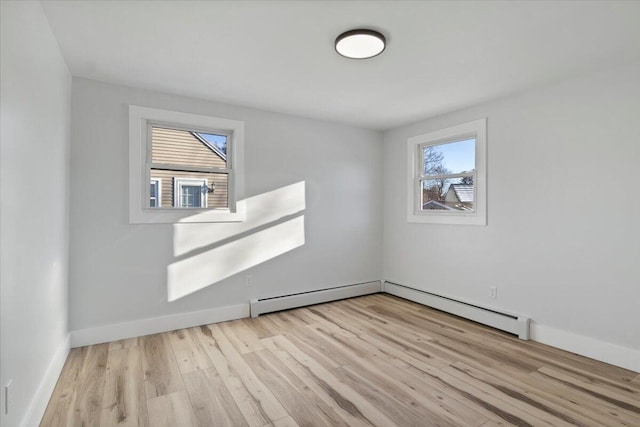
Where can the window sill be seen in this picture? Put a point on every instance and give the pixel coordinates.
(442, 218)
(185, 215)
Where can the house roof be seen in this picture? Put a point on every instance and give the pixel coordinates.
(209, 145)
(434, 205)
(464, 192)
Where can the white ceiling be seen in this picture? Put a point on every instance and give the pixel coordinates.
(279, 55)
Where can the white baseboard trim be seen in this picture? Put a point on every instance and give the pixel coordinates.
(285, 302)
(154, 325)
(509, 322)
(613, 354)
(586, 346)
(40, 400)
(593, 348)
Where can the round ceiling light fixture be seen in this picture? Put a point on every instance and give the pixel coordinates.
(360, 44)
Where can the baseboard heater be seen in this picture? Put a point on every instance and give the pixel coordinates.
(285, 302)
(512, 323)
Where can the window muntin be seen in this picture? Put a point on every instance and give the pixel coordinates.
(446, 176)
(178, 155)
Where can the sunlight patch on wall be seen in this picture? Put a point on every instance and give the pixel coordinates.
(261, 209)
(199, 271)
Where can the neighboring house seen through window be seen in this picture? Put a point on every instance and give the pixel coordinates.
(191, 167)
(447, 177)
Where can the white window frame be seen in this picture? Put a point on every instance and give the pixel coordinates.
(140, 119)
(158, 184)
(178, 182)
(476, 129)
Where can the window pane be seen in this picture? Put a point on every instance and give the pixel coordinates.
(218, 141)
(191, 195)
(216, 199)
(153, 193)
(451, 194)
(181, 147)
(452, 157)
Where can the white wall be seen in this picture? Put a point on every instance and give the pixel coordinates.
(563, 237)
(34, 192)
(119, 270)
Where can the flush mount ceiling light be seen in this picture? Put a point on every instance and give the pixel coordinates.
(360, 44)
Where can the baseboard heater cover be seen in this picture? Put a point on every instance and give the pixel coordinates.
(285, 302)
(512, 323)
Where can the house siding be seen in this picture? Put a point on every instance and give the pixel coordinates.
(179, 147)
(450, 197)
(217, 199)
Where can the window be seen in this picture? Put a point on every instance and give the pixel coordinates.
(447, 177)
(154, 193)
(190, 193)
(192, 162)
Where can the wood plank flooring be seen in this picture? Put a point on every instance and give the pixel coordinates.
(374, 360)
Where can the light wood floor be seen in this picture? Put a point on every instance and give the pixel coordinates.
(375, 360)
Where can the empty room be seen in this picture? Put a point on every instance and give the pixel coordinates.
(319, 213)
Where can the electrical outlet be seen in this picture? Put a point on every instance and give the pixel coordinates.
(248, 280)
(493, 292)
(8, 398)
